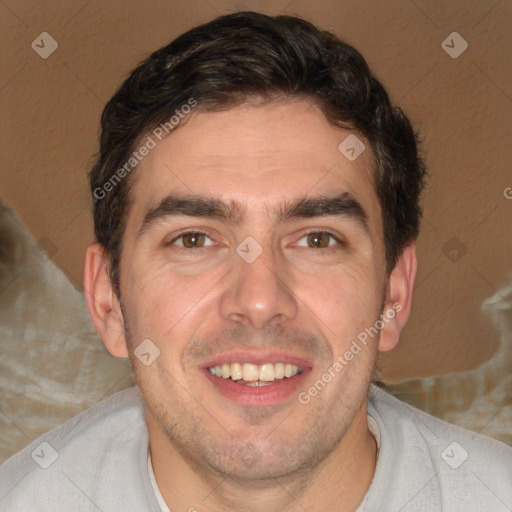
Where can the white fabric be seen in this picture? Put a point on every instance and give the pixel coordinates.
(99, 461)
(373, 427)
(53, 364)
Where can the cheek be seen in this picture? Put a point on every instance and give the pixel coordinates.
(164, 302)
(346, 300)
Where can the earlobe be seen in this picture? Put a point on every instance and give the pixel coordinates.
(104, 308)
(399, 298)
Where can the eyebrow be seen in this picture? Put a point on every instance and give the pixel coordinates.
(343, 205)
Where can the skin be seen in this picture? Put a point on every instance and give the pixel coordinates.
(207, 450)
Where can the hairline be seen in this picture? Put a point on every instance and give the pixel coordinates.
(248, 100)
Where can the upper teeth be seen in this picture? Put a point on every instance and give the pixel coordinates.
(253, 372)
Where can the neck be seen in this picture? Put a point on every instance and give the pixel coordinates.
(338, 483)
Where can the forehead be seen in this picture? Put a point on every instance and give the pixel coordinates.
(255, 155)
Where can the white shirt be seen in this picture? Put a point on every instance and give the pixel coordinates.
(100, 460)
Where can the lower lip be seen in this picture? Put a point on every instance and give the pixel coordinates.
(257, 395)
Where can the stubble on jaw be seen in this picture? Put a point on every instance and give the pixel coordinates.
(297, 461)
(223, 454)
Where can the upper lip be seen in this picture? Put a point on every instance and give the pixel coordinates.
(258, 358)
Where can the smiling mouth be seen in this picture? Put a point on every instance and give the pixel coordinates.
(255, 375)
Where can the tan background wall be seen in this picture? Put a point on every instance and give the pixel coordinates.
(51, 108)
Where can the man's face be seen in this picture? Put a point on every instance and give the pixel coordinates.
(210, 300)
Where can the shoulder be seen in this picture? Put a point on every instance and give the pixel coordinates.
(460, 469)
(76, 461)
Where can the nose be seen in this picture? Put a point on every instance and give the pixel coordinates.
(257, 293)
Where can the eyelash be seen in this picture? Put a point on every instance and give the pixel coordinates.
(198, 232)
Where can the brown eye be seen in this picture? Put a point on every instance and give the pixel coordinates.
(319, 240)
(191, 240)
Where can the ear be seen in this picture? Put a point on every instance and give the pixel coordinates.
(102, 303)
(398, 298)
